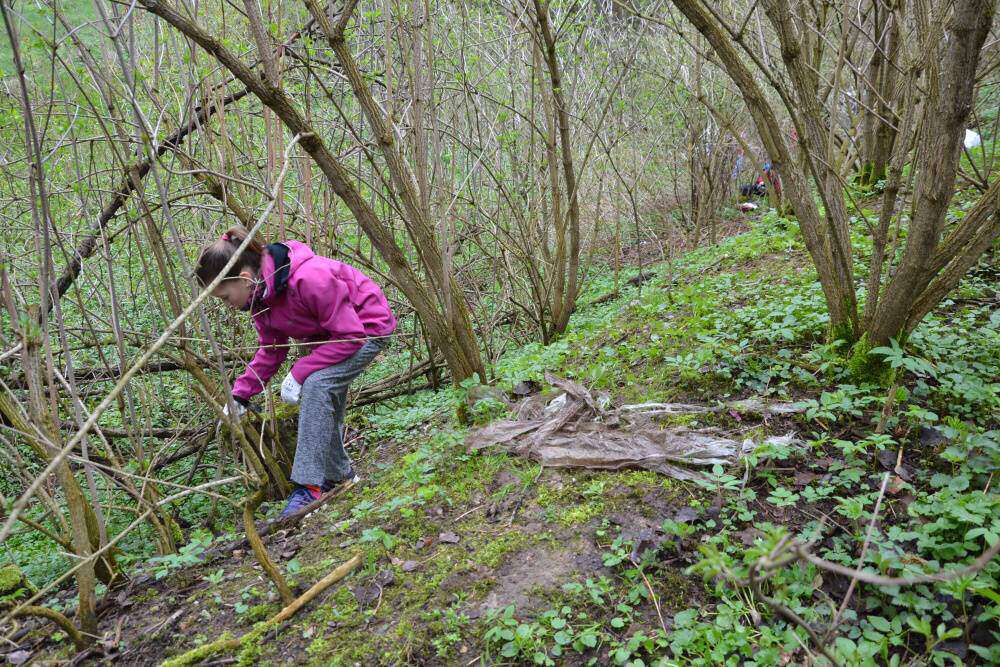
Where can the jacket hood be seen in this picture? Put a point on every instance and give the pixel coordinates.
(280, 261)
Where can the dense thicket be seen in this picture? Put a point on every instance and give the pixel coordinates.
(481, 160)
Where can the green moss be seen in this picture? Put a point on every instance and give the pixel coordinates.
(10, 578)
(252, 646)
(842, 331)
(13, 585)
(869, 175)
(199, 654)
(283, 411)
(635, 479)
(320, 647)
(146, 596)
(550, 496)
(406, 630)
(462, 414)
(863, 367)
(260, 612)
(688, 420)
(674, 590)
(580, 513)
(493, 551)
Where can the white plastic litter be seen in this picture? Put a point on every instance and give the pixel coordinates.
(748, 206)
(972, 139)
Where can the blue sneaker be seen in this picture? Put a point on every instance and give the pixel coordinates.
(301, 497)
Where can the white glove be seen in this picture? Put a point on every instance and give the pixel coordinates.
(239, 412)
(291, 390)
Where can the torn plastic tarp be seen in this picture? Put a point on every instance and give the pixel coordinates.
(576, 429)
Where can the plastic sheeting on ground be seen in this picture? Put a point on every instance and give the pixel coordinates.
(578, 429)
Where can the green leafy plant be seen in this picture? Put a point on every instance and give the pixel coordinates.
(186, 556)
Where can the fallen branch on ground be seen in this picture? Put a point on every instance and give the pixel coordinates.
(788, 551)
(227, 643)
(252, 503)
(59, 619)
(266, 528)
(635, 281)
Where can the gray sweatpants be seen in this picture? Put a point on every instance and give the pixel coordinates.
(319, 454)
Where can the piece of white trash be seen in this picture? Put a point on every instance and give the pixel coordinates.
(972, 139)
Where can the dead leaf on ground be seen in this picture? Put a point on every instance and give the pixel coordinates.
(887, 458)
(896, 485)
(525, 388)
(366, 595)
(448, 538)
(18, 657)
(805, 478)
(646, 541)
(749, 535)
(931, 437)
(685, 515)
(385, 578)
(956, 647)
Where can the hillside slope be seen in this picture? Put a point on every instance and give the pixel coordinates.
(486, 558)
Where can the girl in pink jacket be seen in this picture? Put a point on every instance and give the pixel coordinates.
(342, 316)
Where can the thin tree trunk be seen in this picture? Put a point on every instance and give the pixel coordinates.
(566, 303)
(950, 86)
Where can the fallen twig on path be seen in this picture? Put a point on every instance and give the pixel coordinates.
(316, 589)
(227, 643)
(652, 595)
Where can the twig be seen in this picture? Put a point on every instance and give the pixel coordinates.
(792, 617)
(466, 513)
(890, 403)
(113, 541)
(788, 551)
(316, 589)
(780, 609)
(878, 580)
(126, 377)
(226, 643)
(252, 503)
(521, 496)
(652, 595)
(64, 623)
(268, 527)
(861, 558)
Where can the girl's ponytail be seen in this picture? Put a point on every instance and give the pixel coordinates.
(216, 255)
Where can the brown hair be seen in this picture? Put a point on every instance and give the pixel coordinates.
(216, 255)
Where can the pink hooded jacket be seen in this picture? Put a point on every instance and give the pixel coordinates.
(310, 298)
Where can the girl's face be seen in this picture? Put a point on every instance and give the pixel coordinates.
(236, 292)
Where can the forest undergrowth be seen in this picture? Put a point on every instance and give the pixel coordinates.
(491, 559)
